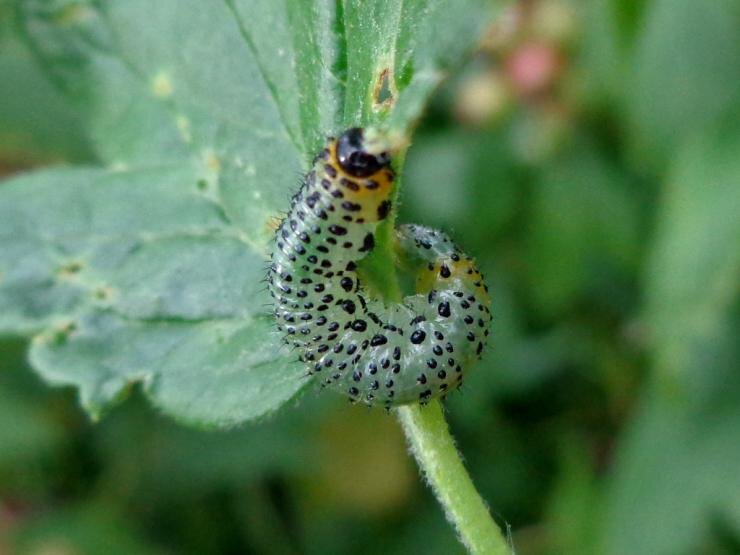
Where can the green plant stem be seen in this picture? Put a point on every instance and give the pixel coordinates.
(434, 449)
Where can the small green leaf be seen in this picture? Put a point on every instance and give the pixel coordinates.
(204, 114)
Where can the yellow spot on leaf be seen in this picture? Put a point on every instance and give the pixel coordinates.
(183, 126)
(162, 85)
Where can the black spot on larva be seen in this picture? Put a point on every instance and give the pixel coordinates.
(368, 243)
(312, 199)
(378, 339)
(437, 350)
(301, 294)
(330, 170)
(347, 284)
(418, 337)
(337, 229)
(359, 325)
(468, 319)
(396, 368)
(389, 383)
(303, 236)
(322, 248)
(422, 379)
(444, 309)
(351, 206)
(354, 391)
(351, 185)
(348, 306)
(357, 375)
(396, 353)
(375, 385)
(438, 336)
(327, 298)
(384, 209)
(338, 348)
(432, 363)
(336, 193)
(417, 320)
(334, 326)
(372, 368)
(319, 287)
(479, 349)
(441, 374)
(470, 336)
(385, 363)
(351, 266)
(444, 271)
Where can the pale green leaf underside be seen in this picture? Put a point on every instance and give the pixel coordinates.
(204, 115)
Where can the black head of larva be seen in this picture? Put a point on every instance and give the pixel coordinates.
(354, 158)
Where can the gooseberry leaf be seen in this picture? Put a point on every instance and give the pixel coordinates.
(203, 115)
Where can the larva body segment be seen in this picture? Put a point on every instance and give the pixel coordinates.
(394, 354)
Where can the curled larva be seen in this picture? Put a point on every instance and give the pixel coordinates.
(376, 353)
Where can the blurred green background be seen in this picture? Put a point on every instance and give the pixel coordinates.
(589, 156)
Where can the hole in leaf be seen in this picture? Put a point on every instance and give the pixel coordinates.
(383, 93)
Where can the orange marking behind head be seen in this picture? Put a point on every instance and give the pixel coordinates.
(433, 277)
(372, 193)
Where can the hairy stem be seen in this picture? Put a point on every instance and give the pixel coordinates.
(434, 449)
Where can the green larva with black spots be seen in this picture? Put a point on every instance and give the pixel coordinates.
(373, 352)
